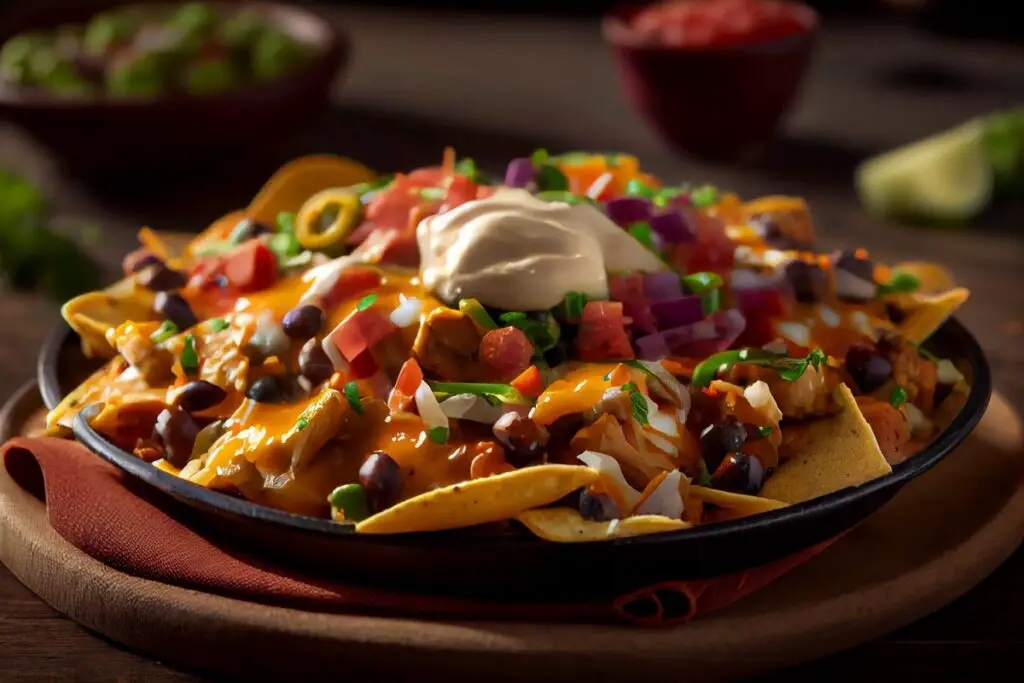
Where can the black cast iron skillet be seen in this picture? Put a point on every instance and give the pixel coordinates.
(510, 563)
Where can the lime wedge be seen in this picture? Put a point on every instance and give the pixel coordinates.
(946, 178)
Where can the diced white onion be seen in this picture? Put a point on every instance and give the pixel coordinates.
(675, 391)
(474, 408)
(609, 467)
(919, 424)
(665, 499)
(746, 255)
(665, 423)
(599, 185)
(776, 346)
(860, 320)
(775, 258)
(852, 286)
(407, 313)
(334, 353)
(428, 407)
(760, 398)
(660, 442)
(795, 332)
(946, 372)
(829, 317)
(324, 277)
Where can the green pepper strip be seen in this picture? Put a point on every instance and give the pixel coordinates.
(706, 371)
(505, 392)
(478, 314)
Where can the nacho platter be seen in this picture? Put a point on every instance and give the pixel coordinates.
(718, 384)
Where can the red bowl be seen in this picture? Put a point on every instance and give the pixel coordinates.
(721, 104)
(117, 136)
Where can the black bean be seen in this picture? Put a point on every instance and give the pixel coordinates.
(895, 313)
(717, 440)
(269, 389)
(247, 229)
(739, 473)
(381, 478)
(772, 233)
(598, 508)
(855, 265)
(160, 278)
(855, 278)
(868, 369)
(942, 392)
(172, 306)
(314, 363)
(199, 395)
(137, 260)
(809, 282)
(177, 432)
(522, 438)
(303, 322)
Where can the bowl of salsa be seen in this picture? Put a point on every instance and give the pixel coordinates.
(110, 86)
(714, 78)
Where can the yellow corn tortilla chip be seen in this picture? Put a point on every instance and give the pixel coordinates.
(928, 311)
(564, 525)
(298, 180)
(933, 277)
(480, 501)
(735, 505)
(831, 454)
(93, 313)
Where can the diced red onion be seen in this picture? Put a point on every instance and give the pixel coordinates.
(519, 173)
(625, 211)
(715, 333)
(663, 286)
(630, 291)
(675, 312)
(672, 227)
(765, 301)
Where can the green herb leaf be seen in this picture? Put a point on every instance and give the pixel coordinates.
(366, 302)
(543, 334)
(643, 234)
(351, 391)
(637, 401)
(284, 245)
(166, 330)
(572, 305)
(218, 324)
(506, 393)
(539, 156)
(704, 196)
(705, 475)
(638, 188)
(467, 167)
(698, 283)
(900, 283)
(189, 356)
(898, 396)
(286, 222)
(432, 194)
(301, 424)
(549, 178)
(438, 434)
(478, 314)
(765, 430)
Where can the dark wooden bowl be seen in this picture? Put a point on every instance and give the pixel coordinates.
(514, 564)
(720, 104)
(118, 136)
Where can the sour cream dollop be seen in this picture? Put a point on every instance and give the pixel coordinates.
(514, 251)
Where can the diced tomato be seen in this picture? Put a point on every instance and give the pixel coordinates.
(460, 191)
(759, 331)
(359, 235)
(406, 384)
(360, 331)
(713, 252)
(397, 247)
(428, 176)
(362, 366)
(251, 267)
(205, 272)
(602, 333)
(506, 351)
(350, 282)
(629, 289)
(529, 383)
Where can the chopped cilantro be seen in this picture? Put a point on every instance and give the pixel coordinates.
(642, 233)
(637, 401)
(792, 369)
(549, 178)
(166, 330)
(638, 188)
(543, 334)
(573, 304)
(705, 475)
(438, 434)
(351, 391)
(704, 196)
(366, 302)
(189, 356)
(219, 324)
(284, 245)
(467, 167)
(765, 430)
(285, 222)
(539, 156)
(900, 283)
(301, 424)
(898, 396)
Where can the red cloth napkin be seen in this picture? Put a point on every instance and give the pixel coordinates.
(123, 524)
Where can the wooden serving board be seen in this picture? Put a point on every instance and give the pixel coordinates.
(939, 537)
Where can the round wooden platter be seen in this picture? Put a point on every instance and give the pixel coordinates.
(939, 537)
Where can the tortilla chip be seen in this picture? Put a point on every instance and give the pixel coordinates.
(830, 454)
(93, 313)
(480, 501)
(933, 277)
(565, 525)
(298, 180)
(734, 505)
(927, 312)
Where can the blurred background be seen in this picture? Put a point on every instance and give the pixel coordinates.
(392, 83)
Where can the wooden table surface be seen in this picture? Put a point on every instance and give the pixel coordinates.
(497, 88)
